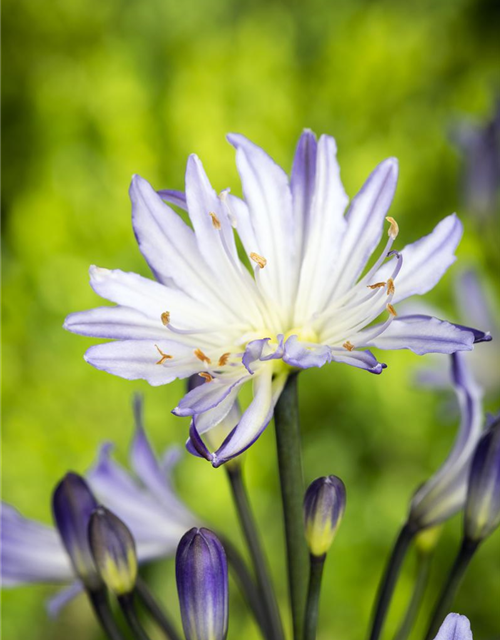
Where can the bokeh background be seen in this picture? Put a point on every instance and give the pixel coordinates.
(96, 91)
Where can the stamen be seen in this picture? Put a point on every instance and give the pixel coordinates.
(347, 345)
(258, 259)
(206, 376)
(393, 229)
(215, 221)
(201, 356)
(223, 359)
(390, 287)
(391, 310)
(165, 318)
(377, 285)
(164, 356)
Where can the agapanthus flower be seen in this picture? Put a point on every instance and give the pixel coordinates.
(308, 297)
(444, 494)
(454, 627)
(32, 552)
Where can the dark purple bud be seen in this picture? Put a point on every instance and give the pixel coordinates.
(113, 549)
(482, 507)
(202, 585)
(324, 506)
(72, 506)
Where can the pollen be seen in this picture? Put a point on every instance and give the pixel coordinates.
(394, 228)
(223, 359)
(377, 285)
(165, 317)
(258, 259)
(164, 356)
(390, 286)
(201, 356)
(207, 377)
(215, 221)
(391, 310)
(348, 345)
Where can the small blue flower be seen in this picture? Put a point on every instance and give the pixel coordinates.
(72, 506)
(33, 552)
(324, 506)
(309, 298)
(113, 550)
(444, 493)
(482, 509)
(202, 585)
(454, 627)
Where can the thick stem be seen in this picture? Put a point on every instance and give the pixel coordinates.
(259, 562)
(421, 581)
(312, 606)
(149, 602)
(286, 418)
(100, 605)
(127, 606)
(455, 577)
(390, 577)
(246, 584)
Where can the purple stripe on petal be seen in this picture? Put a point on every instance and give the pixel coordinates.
(115, 323)
(421, 334)
(208, 396)
(298, 355)
(195, 444)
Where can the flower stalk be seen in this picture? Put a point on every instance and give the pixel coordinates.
(286, 418)
(464, 556)
(156, 612)
(388, 583)
(127, 606)
(247, 521)
(100, 605)
(424, 561)
(313, 593)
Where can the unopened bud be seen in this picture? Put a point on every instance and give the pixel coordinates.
(324, 505)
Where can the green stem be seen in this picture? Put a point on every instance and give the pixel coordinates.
(246, 584)
(127, 605)
(455, 577)
(389, 579)
(312, 607)
(286, 418)
(149, 602)
(100, 605)
(261, 569)
(421, 581)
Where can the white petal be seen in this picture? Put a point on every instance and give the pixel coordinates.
(122, 323)
(426, 260)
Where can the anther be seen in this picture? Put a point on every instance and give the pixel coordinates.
(258, 259)
(164, 356)
(390, 286)
(165, 318)
(223, 359)
(201, 356)
(394, 228)
(391, 310)
(348, 345)
(206, 376)
(215, 221)
(377, 285)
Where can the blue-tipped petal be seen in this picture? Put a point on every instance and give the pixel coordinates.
(324, 506)
(482, 509)
(202, 585)
(455, 627)
(72, 506)
(177, 198)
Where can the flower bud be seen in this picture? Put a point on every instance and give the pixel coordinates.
(113, 549)
(324, 505)
(482, 508)
(202, 585)
(72, 506)
(454, 627)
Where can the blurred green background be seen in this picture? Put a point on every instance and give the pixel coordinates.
(96, 91)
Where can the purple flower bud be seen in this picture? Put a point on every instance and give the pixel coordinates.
(482, 508)
(202, 585)
(72, 506)
(113, 549)
(324, 505)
